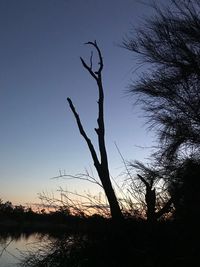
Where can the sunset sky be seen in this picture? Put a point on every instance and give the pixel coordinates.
(40, 45)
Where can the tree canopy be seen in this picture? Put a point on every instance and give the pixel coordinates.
(169, 90)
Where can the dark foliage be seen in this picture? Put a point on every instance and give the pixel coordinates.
(19, 218)
(184, 187)
(169, 90)
(131, 244)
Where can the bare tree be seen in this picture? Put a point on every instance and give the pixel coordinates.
(101, 164)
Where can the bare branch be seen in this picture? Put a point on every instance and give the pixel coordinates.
(94, 74)
(144, 181)
(91, 56)
(100, 56)
(83, 133)
(80, 176)
(88, 68)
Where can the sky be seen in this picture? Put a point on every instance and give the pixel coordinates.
(40, 47)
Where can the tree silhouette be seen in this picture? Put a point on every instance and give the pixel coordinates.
(169, 44)
(157, 201)
(169, 89)
(101, 164)
(184, 187)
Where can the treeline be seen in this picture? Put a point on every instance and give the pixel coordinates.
(19, 213)
(13, 216)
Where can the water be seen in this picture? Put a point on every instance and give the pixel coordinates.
(32, 248)
(13, 248)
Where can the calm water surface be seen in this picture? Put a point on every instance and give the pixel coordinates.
(12, 248)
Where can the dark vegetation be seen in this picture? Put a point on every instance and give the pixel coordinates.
(20, 218)
(156, 223)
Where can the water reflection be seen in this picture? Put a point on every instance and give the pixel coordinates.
(67, 250)
(136, 244)
(13, 246)
(41, 249)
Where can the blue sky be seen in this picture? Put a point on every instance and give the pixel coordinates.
(40, 46)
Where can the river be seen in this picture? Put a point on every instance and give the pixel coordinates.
(14, 248)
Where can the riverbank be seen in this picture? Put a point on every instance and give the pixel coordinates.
(97, 242)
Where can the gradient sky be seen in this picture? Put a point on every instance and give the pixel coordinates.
(40, 45)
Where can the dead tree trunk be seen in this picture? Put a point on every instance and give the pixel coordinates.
(150, 199)
(101, 164)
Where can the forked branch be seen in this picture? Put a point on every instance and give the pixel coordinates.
(95, 74)
(102, 163)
